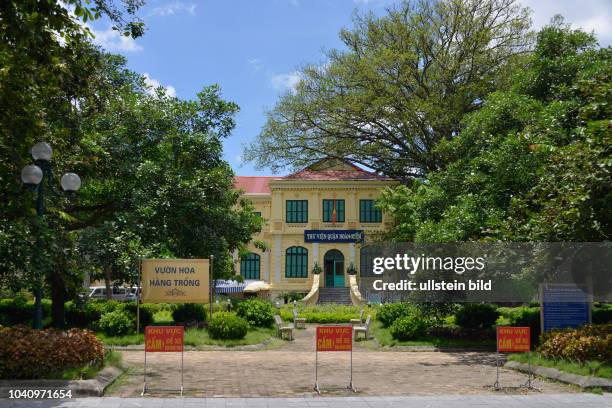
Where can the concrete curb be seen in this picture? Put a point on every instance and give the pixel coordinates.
(568, 378)
(80, 388)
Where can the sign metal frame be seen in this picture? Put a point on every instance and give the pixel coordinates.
(144, 386)
(350, 385)
(529, 383)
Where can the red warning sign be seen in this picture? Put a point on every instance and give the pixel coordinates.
(334, 338)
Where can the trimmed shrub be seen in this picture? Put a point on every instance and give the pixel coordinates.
(146, 313)
(99, 307)
(327, 313)
(476, 316)
(76, 315)
(590, 342)
(227, 326)
(257, 312)
(28, 354)
(15, 311)
(527, 317)
(408, 327)
(117, 323)
(602, 315)
(189, 312)
(390, 312)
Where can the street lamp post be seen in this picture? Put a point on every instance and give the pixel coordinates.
(33, 176)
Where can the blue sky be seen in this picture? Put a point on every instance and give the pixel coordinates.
(252, 49)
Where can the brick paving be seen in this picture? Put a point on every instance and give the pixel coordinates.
(289, 371)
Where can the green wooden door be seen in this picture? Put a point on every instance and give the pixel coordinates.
(334, 269)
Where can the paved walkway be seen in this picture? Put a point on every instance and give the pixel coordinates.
(290, 371)
(441, 401)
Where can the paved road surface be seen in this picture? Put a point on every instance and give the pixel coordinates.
(441, 401)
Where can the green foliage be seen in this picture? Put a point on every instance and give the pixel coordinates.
(476, 316)
(14, 311)
(322, 313)
(226, 325)
(524, 317)
(532, 164)
(390, 312)
(590, 342)
(28, 354)
(189, 312)
(256, 312)
(146, 312)
(602, 315)
(408, 327)
(117, 323)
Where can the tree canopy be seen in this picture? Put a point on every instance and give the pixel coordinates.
(154, 181)
(402, 83)
(533, 164)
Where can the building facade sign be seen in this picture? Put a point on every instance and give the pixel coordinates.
(328, 236)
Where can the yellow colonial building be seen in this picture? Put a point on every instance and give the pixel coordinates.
(316, 219)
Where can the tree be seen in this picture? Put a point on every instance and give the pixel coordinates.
(403, 83)
(533, 164)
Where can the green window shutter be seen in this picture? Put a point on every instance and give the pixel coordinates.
(249, 266)
(296, 211)
(368, 211)
(328, 210)
(296, 262)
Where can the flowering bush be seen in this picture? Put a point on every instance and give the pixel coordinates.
(26, 353)
(591, 342)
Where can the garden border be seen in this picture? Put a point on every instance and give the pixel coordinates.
(581, 381)
(93, 387)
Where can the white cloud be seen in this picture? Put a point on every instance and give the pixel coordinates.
(153, 84)
(174, 8)
(593, 15)
(255, 63)
(284, 82)
(113, 41)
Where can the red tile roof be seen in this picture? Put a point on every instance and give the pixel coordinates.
(253, 184)
(334, 169)
(323, 170)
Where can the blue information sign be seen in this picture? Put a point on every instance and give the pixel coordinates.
(564, 305)
(333, 235)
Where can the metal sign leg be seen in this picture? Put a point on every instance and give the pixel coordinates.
(497, 385)
(316, 387)
(144, 385)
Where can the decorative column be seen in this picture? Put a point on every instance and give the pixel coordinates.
(278, 242)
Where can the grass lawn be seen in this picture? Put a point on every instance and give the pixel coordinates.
(383, 335)
(111, 358)
(196, 337)
(589, 368)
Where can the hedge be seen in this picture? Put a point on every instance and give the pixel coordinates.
(476, 316)
(26, 353)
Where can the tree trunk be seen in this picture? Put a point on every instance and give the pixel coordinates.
(107, 281)
(58, 297)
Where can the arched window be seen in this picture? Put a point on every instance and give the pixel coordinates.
(249, 266)
(296, 262)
